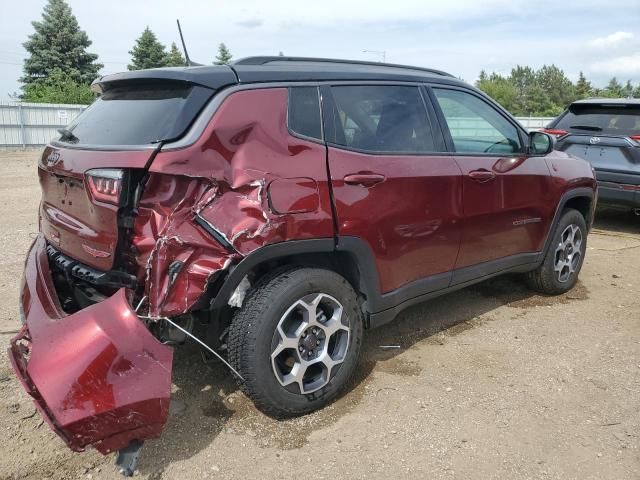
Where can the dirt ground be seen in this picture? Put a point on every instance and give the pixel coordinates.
(489, 382)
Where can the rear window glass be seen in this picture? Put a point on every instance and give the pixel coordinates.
(304, 112)
(611, 119)
(138, 114)
(381, 118)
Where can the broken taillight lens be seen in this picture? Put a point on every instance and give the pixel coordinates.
(105, 184)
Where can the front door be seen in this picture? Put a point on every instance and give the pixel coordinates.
(389, 188)
(507, 199)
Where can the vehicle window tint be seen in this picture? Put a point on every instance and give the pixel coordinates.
(304, 112)
(475, 126)
(139, 114)
(381, 118)
(611, 119)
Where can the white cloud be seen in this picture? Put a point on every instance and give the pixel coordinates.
(611, 40)
(624, 65)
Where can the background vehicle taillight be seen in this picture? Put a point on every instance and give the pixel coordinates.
(105, 184)
(635, 137)
(555, 132)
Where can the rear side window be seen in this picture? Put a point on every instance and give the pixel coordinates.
(611, 119)
(304, 112)
(475, 126)
(139, 114)
(380, 118)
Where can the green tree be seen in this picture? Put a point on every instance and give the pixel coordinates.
(627, 90)
(174, 57)
(583, 87)
(58, 87)
(613, 89)
(498, 88)
(58, 43)
(147, 52)
(224, 55)
(559, 90)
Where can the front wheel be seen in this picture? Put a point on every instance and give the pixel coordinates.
(561, 266)
(296, 340)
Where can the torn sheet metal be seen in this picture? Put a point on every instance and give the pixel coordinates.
(224, 182)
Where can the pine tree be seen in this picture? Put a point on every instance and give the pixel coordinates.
(583, 87)
(627, 90)
(59, 44)
(280, 54)
(613, 89)
(174, 57)
(224, 55)
(147, 52)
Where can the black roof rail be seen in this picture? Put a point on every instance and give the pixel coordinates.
(262, 60)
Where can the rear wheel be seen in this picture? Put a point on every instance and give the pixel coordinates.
(296, 340)
(561, 266)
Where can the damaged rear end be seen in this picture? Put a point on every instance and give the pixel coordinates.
(94, 368)
(151, 201)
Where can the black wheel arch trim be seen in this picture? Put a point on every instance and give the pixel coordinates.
(578, 192)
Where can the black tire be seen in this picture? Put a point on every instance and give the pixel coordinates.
(253, 332)
(545, 279)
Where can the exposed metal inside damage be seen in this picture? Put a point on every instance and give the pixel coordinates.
(106, 320)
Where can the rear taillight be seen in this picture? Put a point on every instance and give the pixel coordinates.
(105, 184)
(555, 132)
(635, 137)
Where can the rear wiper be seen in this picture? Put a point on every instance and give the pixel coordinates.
(586, 127)
(68, 135)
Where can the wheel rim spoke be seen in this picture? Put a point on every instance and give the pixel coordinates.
(568, 253)
(311, 339)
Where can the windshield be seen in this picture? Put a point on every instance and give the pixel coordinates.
(608, 119)
(138, 114)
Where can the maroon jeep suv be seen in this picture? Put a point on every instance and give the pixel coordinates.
(287, 203)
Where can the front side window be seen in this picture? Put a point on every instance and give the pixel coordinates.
(475, 126)
(380, 119)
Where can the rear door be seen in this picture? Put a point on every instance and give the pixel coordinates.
(389, 186)
(88, 175)
(507, 199)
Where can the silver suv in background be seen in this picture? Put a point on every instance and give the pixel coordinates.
(606, 132)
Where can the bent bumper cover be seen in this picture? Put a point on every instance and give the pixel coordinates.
(98, 377)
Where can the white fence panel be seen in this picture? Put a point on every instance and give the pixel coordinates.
(33, 124)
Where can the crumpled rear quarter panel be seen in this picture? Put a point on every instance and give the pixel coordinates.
(226, 178)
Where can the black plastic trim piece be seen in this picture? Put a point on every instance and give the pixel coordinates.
(264, 254)
(210, 229)
(566, 196)
(380, 318)
(80, 271)
(262, 60)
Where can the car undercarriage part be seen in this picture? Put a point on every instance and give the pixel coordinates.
(127, 458)
(196, 339)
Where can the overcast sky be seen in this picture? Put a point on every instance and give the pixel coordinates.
(458, 36)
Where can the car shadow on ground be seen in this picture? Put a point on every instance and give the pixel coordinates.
(206, 400)
(617, 220)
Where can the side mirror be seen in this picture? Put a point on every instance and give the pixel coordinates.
(541, 143)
